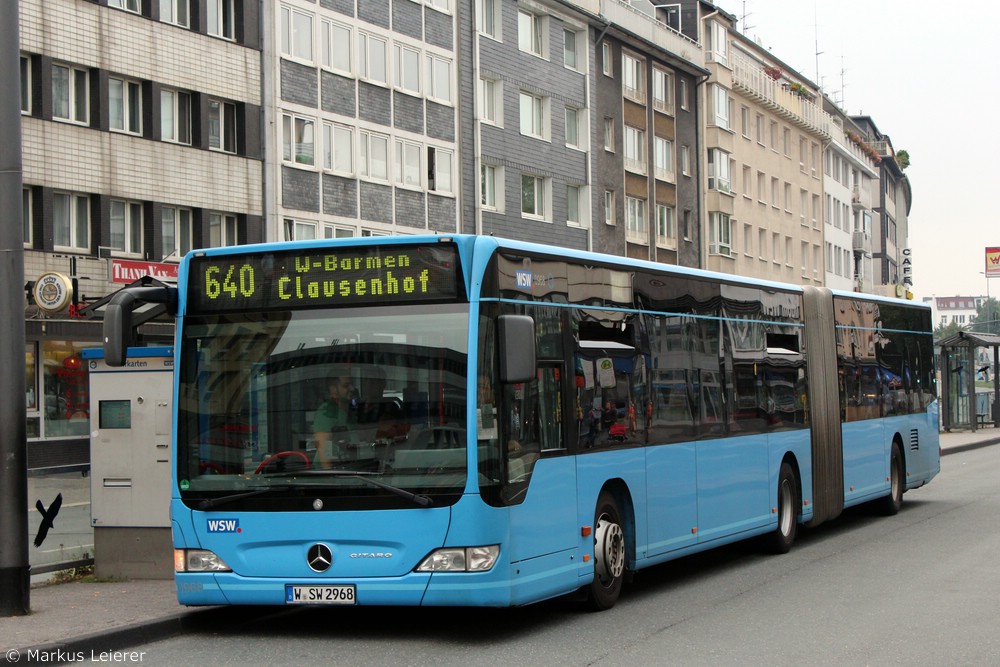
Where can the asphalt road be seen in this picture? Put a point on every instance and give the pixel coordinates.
(919, 588)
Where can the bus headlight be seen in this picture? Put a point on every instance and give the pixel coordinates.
(198, 560)
(457, 559)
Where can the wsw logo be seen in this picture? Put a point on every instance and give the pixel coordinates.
(224, 526)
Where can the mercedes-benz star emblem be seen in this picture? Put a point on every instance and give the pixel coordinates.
(319, 557)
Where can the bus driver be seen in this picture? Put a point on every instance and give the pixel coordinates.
(332, 416)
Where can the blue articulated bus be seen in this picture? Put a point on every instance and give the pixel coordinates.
(467, 420)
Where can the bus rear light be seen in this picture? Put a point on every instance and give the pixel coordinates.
(457, 559)
(198, 560)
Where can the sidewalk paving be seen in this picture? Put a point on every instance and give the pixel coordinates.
(107, 616)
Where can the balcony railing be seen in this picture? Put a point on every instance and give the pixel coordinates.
(641, 23)
(748, 75)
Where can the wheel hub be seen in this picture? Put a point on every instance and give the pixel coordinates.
(609, 550)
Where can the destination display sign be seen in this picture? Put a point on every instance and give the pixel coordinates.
(323, 278)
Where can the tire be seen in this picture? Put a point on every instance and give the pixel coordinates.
(609, 554)
(781, 539)
(890, 505)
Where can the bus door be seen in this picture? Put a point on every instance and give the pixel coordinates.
(541, 484)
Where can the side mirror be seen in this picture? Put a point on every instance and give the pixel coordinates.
(517, 348)
(117, 329)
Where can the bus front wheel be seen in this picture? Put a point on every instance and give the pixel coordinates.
(609, 554)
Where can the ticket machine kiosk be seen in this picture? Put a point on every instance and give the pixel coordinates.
(130, 454)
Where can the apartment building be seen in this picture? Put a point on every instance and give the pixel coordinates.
(764, 132)
(361, 107)
(892, 258)
(851, 181)
(647, 138)
(141, 140)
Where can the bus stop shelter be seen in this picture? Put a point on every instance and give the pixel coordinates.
(963, 405)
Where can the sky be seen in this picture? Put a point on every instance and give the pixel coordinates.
(930, 82)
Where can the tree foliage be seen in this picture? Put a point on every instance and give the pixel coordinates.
(903, 159)
(987, 319)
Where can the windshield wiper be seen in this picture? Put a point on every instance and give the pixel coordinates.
(209, 503)
(419, 499)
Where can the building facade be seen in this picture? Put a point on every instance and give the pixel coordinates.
(141, 140)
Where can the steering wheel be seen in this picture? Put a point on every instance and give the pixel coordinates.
(279, 457)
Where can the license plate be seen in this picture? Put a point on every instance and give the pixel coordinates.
(343, 594)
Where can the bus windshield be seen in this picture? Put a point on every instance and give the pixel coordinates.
(360, 407)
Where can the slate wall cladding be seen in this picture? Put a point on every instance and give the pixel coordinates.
(441, 212)
(345, 7)
(406, 19)
(410, 209)
(339, 95)
(376, 12)
(440, 122)
(299, 83)
(340, 196)
(374, 104)
(439, 29)
(300, 189)
(408, 113)
(376, 202)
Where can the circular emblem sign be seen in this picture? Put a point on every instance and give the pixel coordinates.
(53, 292)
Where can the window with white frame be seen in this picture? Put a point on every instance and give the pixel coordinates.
(71, 221)
(635, 220)
(125, 105)
(372, 58)
(177, 12)
(70, 87)
(571, 49)
(336, 44)
(635, 149)
(299, 230)
(720, 106)
(298, 139)
(760, 129)
(663, 159)
(25, 85)
(684, 94)
(334, 232)
(609, 134)
(222, 230)
(747, 239)
(718, 43)
(686, 226)
(491, 187)
(534, 115)
(609, 207)
(491, 100)
(607, 59)
(296, 33)
(439, 170)
(221, 126)
(573, 208)
(177, 229)
(534, 196)
(745, 121)
(489, 17)
(373, 155)
(26, 216)
(175, 116)
(126, 226)
(575, 127)
(407, 163)
(128, 5)
(407, 62)
(686, 160)
(440, 5)
(221, 16)
(438, 78)
(634, 78)
(719, 176)
(663, 90)
(532, 31)
(720, 231)
(666, 232)
(338, 148)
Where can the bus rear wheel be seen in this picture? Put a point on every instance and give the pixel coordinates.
(891, 504)
(780, 541)
(609, 554)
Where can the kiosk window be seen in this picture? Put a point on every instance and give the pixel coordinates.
(115, 414)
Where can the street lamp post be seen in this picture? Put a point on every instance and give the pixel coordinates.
(988, 276)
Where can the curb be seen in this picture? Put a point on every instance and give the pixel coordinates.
(84, 647)
(970, 446)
